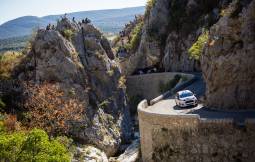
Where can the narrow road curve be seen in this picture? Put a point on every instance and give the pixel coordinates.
(168, 106)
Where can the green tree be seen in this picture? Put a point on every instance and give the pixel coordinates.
(34, 146)
(10, 146)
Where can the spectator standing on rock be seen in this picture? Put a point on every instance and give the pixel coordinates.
(87, 21)
(48, 27)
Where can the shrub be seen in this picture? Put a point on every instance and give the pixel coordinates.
(49, 109)
(32, 146)
(110, 72)
(115, 40)
(2, 105)
(135, 37)
(68, 34)
(197, 48)
(2, 128)
(122, 82)
(169, 85)
(8, 61)
(104, 104)
(67, 142)
(10, 123)
(150, 4)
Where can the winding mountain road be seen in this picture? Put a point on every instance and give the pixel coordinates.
(168, 106)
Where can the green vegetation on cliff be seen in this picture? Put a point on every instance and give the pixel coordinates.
(2, 105)
(68, 34)
(150, 4)
(196, 49)
(135, 37)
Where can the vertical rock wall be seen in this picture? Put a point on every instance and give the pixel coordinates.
(228, 60)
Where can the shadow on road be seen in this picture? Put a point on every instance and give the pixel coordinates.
(208, 113)
(183, 108)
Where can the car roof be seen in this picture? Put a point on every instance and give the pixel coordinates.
(184, 91)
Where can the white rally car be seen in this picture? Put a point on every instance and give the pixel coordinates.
(185, 98)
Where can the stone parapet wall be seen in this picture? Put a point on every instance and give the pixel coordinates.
(147, 85)
(188, 138)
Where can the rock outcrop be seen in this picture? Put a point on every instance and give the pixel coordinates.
(89, 154)
(131, 154)
(122, 45)
(170, 28)
(228, 60)
(79, 58)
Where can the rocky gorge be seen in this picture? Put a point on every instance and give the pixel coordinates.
(72, 81)
(170, 29)
(212, 37)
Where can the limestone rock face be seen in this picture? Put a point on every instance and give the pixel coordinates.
(78, 57)
(89, 154)
(170, 28)
(55, 58)
(228, 60)
(131, 154)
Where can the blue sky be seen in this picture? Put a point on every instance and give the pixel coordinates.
(10, 9)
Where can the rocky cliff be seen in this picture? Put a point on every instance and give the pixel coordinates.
(170, 28)
(228, 59)
(219, 33)
(78, 59)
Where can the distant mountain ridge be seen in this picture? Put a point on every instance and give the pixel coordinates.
(109, 21)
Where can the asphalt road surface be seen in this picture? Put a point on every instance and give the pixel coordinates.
(168, 106)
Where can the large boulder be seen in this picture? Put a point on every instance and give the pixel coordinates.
(228, 60)
(131, 154)
(79, 58)
(89, 154)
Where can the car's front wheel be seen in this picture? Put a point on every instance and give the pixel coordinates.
(176, 103)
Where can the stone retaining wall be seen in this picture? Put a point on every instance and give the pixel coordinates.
(147, 85)
(188, 138)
